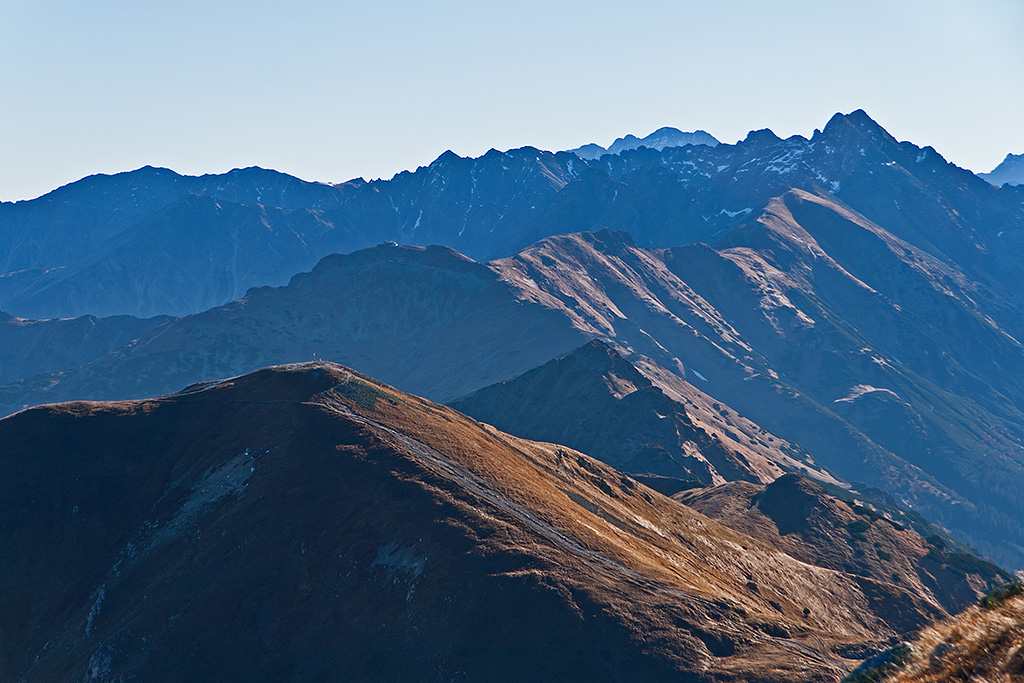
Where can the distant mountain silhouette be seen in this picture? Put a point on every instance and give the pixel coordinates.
(1010, 170)
(659, 140)
(152, 242)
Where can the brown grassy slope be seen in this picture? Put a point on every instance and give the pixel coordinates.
(306, 522)
(978, 645)
(796, 515)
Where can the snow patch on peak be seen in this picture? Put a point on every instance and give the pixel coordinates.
(860, 390)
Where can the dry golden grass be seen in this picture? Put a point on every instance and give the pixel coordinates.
(980, 645)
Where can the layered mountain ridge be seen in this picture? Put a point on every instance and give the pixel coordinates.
(428, 319)
(724, 323)
(307, 521)
(67, 251)
(853, 296)
(778, 331)
(595, 401)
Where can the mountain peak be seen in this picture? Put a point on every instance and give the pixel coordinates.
(857, 120)
(446, 157)
(666, 136)
(1010, 170)
(435, 255)
(762, 137)
(380, 502)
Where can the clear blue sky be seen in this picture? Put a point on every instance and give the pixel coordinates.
(330, 90)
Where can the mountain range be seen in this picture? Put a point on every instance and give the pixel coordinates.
(813, 342)
(151, 242)
(659, 140)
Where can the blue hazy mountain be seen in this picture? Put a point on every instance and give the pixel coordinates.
(659, 140)
(1010, 170)
(151, 242)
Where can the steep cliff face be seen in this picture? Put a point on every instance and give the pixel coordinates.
(307, 521)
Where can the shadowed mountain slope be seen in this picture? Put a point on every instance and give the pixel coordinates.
(151, 241)
(309, 522)
(429, 320)
(595, 401)
(31, 347)
(154, 242)
(191, 255)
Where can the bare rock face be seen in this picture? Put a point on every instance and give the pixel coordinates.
(309, 522)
